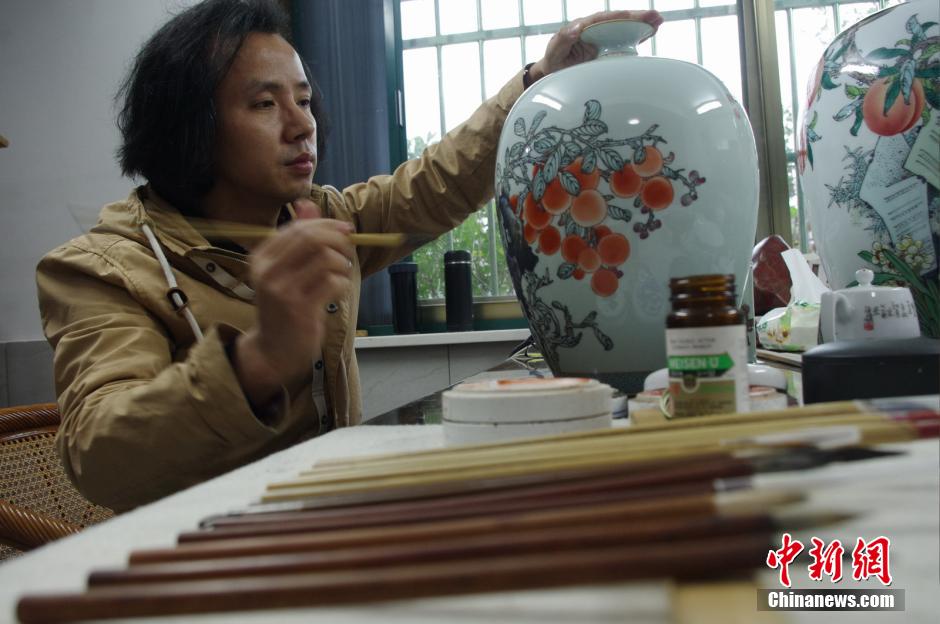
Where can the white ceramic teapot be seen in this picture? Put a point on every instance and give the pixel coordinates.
(867, 312)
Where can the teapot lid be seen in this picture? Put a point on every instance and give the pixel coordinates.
(865, 277)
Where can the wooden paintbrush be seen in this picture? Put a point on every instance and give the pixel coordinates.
(480, 497)
(808, 416)
(432, 510)
(818, 410)
(503, 461)
(696, 558)
(700, 504)
(557, 539)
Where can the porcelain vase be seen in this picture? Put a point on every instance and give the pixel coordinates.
(869, 154)
(612, 177)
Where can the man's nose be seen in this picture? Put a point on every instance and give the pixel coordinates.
(301, 124)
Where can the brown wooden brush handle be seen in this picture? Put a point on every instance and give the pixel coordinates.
(701, 504)
(302, 522)
(556, 539)
(687, 559)
(642, 473)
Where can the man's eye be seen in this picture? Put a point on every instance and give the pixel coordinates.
(264, 104)
(304, 102)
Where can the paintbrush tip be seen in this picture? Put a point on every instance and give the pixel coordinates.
(793, 520)
(806, 457)
(755, 501)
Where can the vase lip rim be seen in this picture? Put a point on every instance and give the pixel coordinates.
(595, 29)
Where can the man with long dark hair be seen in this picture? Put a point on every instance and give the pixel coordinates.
(208, 319)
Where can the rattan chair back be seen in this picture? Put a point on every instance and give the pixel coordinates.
(38, 503)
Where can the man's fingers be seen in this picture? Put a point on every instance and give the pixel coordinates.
(296, 244)
(306, 208)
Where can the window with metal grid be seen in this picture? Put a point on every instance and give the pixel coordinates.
(456, 53)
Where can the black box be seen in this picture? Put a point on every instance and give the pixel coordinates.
(869, 369)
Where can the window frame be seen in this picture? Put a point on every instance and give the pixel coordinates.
(760, 76)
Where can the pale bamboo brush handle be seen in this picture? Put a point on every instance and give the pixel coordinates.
(421, 500)
(692, 559)
(556, 446)
(808, 411)
(231, 229)
(560, 445)
(577, 454)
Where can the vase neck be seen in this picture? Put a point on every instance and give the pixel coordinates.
(617, 37)
(622, 49)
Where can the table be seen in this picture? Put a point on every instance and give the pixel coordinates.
(898, 497)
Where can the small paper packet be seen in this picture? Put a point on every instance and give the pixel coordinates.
(795, 327)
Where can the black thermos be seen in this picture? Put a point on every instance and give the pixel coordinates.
(404, 296)
(458, 291)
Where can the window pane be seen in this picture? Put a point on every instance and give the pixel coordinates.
(813, 31)
(720, 52)
(473, 236)
(502, 58)
(541, 11)
(458, 16)
(794, 211)
(583, 8)
(851, 13)
(677, 40)
(672, 5)
(639, 5)
(460, 65)
(500, 13)
(422, 100)
(786, 90)
(711, 3)
(417, 19)
(430, 260)
(535, 47)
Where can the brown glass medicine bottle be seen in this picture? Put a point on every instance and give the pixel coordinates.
(706, 347)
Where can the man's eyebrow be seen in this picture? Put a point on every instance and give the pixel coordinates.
(257, 86)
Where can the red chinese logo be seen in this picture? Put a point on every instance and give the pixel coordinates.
(871, 559)
(826, 560)
(784, 556)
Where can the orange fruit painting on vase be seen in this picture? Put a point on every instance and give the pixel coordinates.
(869, 154)
(563, 195)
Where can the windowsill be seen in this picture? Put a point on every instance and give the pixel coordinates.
(441, 338)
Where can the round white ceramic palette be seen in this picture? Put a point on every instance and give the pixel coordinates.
(504, 409)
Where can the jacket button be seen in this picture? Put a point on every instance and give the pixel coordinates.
(332, 307)
(210, 267)
(318, 364)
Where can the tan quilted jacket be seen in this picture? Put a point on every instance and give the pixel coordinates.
(146, 408)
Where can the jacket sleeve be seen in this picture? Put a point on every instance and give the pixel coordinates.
(137, 422)
(435, 192)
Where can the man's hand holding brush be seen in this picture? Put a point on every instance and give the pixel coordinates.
(296, 273)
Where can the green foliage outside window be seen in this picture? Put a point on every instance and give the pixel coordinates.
(472, 235)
